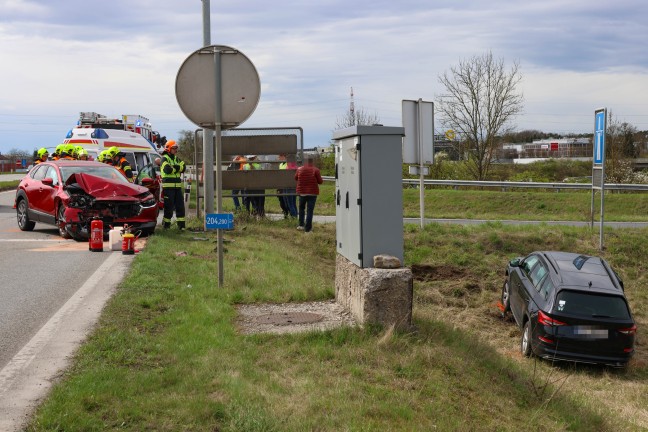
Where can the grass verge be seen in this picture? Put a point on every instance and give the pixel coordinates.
(8, 185)
(533, 205)
(166, 354)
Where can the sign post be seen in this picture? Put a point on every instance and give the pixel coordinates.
(418, 144)
(598, 165)
(217, 87)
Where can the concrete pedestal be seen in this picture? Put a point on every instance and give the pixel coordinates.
(375, 295)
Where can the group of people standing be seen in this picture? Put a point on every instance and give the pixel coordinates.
(307, 181)
(62, 151)
(111, 156)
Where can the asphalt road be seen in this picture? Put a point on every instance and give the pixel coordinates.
(11, 177)
(52, 292)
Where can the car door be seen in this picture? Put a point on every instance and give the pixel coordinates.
(48, 197)
(35, 190)
(520, 284)
(536, 298)
(149, 171)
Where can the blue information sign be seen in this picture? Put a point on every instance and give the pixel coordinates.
(599, 137)
(219, 221)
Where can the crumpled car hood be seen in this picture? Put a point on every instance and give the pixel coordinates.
(106, 189)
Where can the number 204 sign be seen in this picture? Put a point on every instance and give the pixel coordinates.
(219, 221)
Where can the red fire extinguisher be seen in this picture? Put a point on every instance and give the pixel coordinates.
(96, 236)
(128, 241)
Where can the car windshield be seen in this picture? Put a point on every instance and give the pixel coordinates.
(105, 171)
(591, 305)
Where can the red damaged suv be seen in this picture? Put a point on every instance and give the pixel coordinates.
(70, 194)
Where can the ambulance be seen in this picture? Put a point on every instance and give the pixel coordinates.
(132, 134)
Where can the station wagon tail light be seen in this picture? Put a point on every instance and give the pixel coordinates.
(630, 331)
(545, 319)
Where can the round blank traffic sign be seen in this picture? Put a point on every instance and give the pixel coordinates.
(196, 87)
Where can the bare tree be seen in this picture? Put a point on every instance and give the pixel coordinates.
(481, 98)
(620, 149)
(357, 117)
(186, 146)
(15, 155)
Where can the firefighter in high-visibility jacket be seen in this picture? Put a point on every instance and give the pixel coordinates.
(120, 162)
(67, 152)
(42, 156)
(171, 171)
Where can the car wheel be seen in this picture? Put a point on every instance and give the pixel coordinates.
(506, 297)
(525, 343)
(22, 214)
(60, 220)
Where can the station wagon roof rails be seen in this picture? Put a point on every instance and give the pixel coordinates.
(550, 260)
(614, 277)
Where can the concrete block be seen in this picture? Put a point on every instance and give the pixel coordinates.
(374, 295)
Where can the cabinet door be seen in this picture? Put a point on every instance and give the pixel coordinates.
(347, 196)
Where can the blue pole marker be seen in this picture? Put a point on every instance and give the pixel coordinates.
(219, 221)
(599, 137)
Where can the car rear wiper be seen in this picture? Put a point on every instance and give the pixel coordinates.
(601, 316)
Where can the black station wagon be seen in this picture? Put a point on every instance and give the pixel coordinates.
(570, 307)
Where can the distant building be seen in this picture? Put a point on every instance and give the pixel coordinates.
(6, 164)
(324, 150)
(549, 148)
(558, 148)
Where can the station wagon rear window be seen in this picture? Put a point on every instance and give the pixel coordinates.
(591, 305)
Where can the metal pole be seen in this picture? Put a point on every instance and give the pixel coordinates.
(603, 181)
(592, 206)
(601, 246)
(208, 134)
(219, 171)
(419, 124)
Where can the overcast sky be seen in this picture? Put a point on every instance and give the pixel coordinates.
(60, 57)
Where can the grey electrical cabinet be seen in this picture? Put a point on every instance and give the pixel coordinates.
(368, 193)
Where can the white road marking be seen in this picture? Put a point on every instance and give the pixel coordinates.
(26, 379)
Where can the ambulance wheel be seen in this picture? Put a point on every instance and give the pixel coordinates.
(60, 221)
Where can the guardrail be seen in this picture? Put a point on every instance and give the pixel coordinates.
(506, 185)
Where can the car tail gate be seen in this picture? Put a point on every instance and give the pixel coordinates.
(594, 337)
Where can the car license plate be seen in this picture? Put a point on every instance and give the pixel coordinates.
(590, 332)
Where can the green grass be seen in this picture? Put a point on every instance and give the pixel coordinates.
(442, 203)
(167, 356)
(8, 185)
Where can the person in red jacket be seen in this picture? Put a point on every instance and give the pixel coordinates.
(308, 180)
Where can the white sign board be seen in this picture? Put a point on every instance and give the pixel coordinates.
(418, 121)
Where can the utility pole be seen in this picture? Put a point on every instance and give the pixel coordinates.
(208, 134)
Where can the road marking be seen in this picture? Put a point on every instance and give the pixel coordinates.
(32, 240)
(27, 377)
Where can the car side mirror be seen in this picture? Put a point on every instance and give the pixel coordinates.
(49, 181)
(517, 262)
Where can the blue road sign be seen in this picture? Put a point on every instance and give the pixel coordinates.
(219, 221)
(599, 136)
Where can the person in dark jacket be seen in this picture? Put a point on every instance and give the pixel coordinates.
(308, 180)
(171, 170)
(120, 162)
